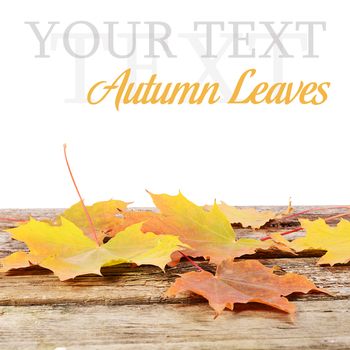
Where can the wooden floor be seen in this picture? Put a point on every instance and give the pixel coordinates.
(126, 309)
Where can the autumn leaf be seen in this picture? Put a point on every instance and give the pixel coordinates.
(249, 217)
(131, 217)
(103, 214)
(68, 252)
(319, 235)
(108, 217)
(281, 242)
(209, 233)
(243, 282)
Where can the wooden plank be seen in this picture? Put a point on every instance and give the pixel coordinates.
(7, 245)
(144, 285)
(125, 285)
(126, 308)
(319, 325)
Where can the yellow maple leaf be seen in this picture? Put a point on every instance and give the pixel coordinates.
(209, 233)
(103, 215)
(319, 235)
(249, 217)
(68, 252)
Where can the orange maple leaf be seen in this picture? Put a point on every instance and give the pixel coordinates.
(243, 282)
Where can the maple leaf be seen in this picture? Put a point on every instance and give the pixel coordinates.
(243, 282)
(108, 218)
(68, 252)
(103, 214)
(250, 217)
(130, 217)
(319, 235)
(209, 233)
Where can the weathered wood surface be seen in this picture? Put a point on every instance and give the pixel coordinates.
(127, 309)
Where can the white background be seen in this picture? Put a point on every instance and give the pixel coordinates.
(244, 155)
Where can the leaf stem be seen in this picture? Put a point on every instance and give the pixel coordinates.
(314, 209)
(191, 261)
(337, 216)
(300, 228)
(282, 234)
(92, 227)
(12, 220)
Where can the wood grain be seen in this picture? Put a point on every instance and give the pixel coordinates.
(123, 285)
(319, 325)
(127, 309)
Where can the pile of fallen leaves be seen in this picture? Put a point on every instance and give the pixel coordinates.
(85, 238)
